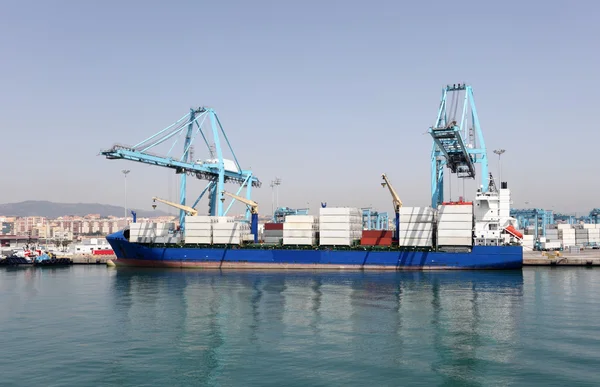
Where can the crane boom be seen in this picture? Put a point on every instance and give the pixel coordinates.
(253, 210)
(397, 204)
(189, 210)
(250, 203)
(395, 197)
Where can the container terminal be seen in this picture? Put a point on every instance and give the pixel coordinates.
(481, 234)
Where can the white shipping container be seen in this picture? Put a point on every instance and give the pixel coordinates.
(231, 226)
(340, 219)
(324, 241)
(198, 226)
(231, 240)
(417, 218)
(341, 234)
(589, 226)
(458, 218)
(299, 241)
(416, 211)
(454, 241)
(416, 226)
(468, 225)
(416, 242)
(197, 233)
(455, 209)
(224, 219)
(339, 226)
(339, 211)
(299, 234)
(202, 240)
(199, 219)
(415, 234)
(454, 234)
(564, 226)
(300, 226)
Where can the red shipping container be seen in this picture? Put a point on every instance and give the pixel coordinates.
(376, 241)
(273, 226)
(377, 234)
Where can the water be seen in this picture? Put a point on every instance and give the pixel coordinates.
(98, 326)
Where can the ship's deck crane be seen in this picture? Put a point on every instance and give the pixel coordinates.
(188, 210)
(457, 141)
(397, 204)
(253, 206)
(215, 168)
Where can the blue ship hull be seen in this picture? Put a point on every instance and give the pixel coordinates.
(480, 258)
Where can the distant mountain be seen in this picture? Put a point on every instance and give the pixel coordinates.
(54, 210)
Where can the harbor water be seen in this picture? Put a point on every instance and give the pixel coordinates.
(98, 326)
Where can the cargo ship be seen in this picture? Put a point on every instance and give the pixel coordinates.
(477, 235)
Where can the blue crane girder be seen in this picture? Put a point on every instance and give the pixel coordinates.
(212, 169)
(458, 143)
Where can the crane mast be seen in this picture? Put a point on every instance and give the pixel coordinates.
(397, 203)
(458, 142)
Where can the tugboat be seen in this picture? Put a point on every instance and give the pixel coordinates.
(49, 259)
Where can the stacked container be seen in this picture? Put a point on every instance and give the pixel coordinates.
(300, 230)
(340, 226)
(581, 235)
(198, 229)
(416, 226)
(164, 233)
(594, 236)
(528, 242)
(226, 231)
(566, 235)
(455, 225)
(552, 234)
(377, 238)
(273, 233)
(142, 232)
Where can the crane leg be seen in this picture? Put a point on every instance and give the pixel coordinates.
(397, 232)
(254, 227)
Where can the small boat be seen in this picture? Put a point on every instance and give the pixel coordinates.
(49, 259)
(15, 261)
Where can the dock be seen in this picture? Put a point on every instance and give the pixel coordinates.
(88, 259)
(559, 258)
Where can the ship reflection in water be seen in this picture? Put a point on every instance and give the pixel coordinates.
(301, 328)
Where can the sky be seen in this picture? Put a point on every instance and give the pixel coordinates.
(325, 95)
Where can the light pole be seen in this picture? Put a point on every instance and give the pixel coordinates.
(125, 172)
(275, 184)
(499, 152)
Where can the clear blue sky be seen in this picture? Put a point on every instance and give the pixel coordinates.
(326, 95)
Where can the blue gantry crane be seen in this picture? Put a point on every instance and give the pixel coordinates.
(457, 140)
(281, 212)
(533, 217)
(375, 220)
(202, 122)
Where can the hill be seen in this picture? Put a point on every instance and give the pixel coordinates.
(54, 210)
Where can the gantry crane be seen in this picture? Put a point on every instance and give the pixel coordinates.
(253, 207)
(397, 204)
(457, 141)
(216, 169)
(187, 210)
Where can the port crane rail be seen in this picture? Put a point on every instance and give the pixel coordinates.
(396, 201)
(213, 169)
(457, 143)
